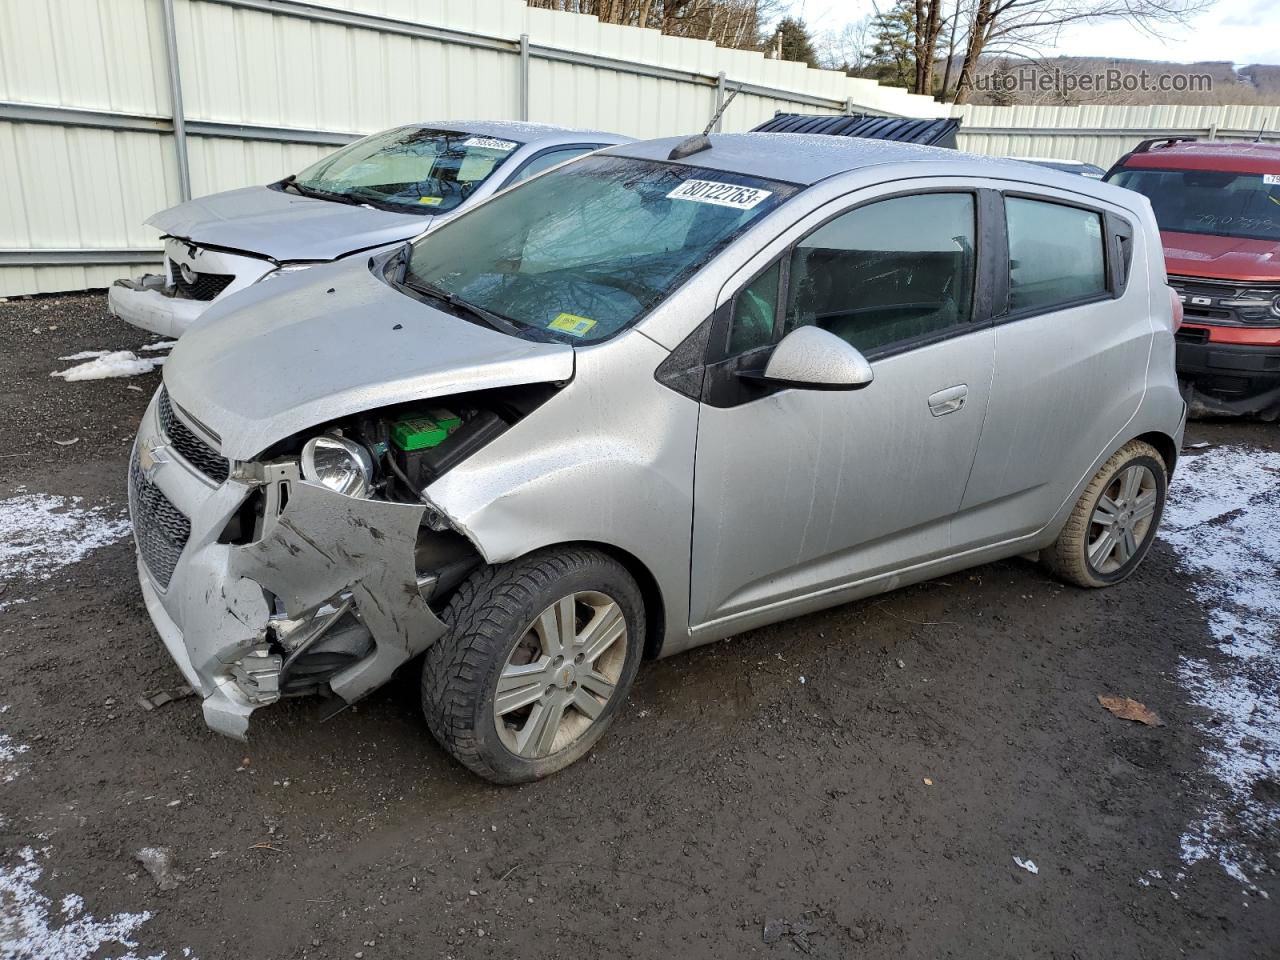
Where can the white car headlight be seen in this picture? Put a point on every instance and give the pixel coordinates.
(339, 464)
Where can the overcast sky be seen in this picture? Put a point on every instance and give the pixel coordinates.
(1241, 31)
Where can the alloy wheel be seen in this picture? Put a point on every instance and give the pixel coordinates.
(561, 674)
(1122, 518)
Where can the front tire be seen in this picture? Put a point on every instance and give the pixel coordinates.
(1113, 524)
(539, 656)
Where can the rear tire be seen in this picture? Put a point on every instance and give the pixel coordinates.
(539, 656)
(1114, 523)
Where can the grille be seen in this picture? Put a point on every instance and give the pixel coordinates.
(205, 286)
(192, 449)
(1225, 302)
(160, 529)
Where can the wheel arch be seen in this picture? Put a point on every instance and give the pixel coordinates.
(655, 610)
(1166, 446)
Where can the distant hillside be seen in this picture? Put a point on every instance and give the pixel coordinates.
(1060, 80)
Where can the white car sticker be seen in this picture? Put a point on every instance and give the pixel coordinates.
(490, 143)
(1271, 179)
(720, 194)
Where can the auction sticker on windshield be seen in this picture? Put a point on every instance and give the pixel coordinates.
(1271, 179)
(490, 143)
(573, 324)
(720, 194)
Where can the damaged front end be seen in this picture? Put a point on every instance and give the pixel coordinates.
(264, 583)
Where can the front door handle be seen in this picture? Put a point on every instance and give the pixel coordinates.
(949, 400)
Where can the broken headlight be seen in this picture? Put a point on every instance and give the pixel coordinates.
(339, 464)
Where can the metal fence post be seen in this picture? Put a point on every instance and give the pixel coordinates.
(720, 80)
(524, 76)
(175, 101)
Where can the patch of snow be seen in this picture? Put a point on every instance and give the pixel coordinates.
(85, 355)
(9, 754)
(1223, 518)
(118, 363)
(40, 534)
(158, 345)
(27, 929)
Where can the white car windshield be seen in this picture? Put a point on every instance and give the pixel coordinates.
(409, 169)
(584, 251)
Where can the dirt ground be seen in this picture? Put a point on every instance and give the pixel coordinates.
(855, 783)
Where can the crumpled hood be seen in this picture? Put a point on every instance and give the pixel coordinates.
(1223, 258)
(304, 349)
(285, 226)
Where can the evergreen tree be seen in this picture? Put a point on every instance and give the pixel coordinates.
(792, 42)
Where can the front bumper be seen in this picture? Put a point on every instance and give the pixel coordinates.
(1229, 379)
(156, 302)
(216, 605)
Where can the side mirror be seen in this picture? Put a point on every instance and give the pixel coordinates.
(810, 357)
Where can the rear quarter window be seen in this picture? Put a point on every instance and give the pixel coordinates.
(1057, 255)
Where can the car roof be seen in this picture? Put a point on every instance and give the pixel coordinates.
(524, 131)
(806, 159)
(1226, 156)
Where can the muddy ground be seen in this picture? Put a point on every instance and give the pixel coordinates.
(851, 784)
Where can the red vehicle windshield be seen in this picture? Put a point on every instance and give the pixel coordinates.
(1224, 204)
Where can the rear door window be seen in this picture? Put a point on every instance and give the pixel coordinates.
(1056, 255)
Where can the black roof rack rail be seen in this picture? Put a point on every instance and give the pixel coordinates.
(1146, 145)
(939, 132)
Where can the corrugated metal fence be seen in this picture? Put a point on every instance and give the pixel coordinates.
(1101, 134)
(113, 109)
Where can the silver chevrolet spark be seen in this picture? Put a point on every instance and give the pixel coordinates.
(662, 395)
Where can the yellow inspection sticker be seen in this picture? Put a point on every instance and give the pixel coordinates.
(431, 201)
(572, 324)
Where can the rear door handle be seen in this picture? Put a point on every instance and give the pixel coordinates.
(949, 400)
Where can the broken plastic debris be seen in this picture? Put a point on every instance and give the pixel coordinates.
(165, 696)
(67, 443)
(1027, 865)
(1128, 709)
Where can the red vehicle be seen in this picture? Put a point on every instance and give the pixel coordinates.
(1218, 207)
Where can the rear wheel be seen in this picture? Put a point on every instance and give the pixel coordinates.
(1114, 522)
(539, 656)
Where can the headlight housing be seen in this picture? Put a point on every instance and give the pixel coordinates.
(340, 464)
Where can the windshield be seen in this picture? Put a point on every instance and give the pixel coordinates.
(409, 169)
(1245, 205)
(584, 251)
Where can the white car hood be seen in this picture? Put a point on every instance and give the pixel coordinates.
(298, 351)
(285, 226)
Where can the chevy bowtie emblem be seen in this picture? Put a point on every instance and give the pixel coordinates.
(150, 455)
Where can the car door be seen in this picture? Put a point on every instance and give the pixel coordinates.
(801, 492)
(1071, 361)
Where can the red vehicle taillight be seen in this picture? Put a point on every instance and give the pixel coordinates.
(1177, 309)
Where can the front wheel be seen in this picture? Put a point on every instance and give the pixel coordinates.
(1114, 522)
(539, 656)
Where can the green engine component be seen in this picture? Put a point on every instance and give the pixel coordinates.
(422, 431)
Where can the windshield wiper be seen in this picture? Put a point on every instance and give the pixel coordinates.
(318, 194)
(495, 320)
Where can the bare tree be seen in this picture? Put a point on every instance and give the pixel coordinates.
(1019, 28)
(728, 23)
(846, 49)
